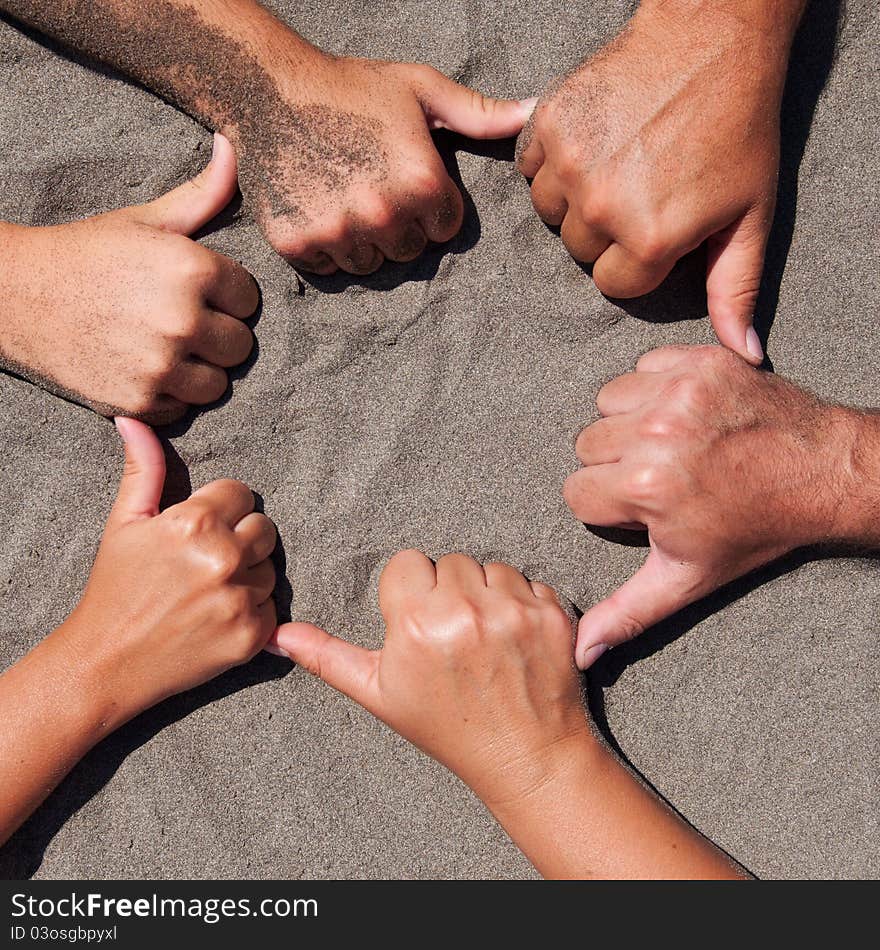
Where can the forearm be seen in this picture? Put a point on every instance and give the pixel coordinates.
(593, 819)
(776, 18)
(212, 58)
(52, 711)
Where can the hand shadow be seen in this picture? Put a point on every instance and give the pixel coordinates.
(812, 58)
(426, 265)
(22, 855)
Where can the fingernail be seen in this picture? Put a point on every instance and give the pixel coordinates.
(753, 345)
(590, 656)
(528, 105)
(276, 650)
(214, 145)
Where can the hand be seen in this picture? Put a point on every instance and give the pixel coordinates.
(477, 670)
(176, 598)
(728, 468)
(123, 312)
(669, 137)
(338, 163)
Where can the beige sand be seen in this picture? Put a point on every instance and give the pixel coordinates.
(436, 405)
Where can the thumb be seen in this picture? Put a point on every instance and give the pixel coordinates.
(193, 204)
(448, 105)
(143, 476)
(733, 279)
(350, 669)
(657, 590)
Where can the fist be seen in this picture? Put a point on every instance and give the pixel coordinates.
(126, 314)
(174, 598)
(340, 167)
(665, 139)
(726, 466)
(477, 669)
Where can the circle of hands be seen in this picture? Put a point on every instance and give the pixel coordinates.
(479, 667)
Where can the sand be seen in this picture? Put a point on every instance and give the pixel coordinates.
(436, 405)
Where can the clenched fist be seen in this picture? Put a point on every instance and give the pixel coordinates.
(123, 312)
(666, 138)
(477, 670)
(339, 166)
(173, 600)
(728, 468)
(176, 597)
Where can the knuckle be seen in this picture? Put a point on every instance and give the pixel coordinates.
(193, 519)
(462, 627)
(185, 326)
(652, 245)
(381, 214)
(566, 159)
(233, 485)
(334, 231)
(223, 561)
(717, 357)
(195, 267)
(236, 609)
(160, 363)
(144, 403)
(593, 210)
(293, 246)
(513, 617)
(644, 483)
(425, 181)
(685, 391)
(659, 424)
(467, 622)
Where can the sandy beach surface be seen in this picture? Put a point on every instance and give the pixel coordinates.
(435, 405)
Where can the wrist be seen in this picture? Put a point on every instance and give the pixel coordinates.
(95, 693)
(282, 73)
(853, 479)
(16, 275)
(540, 777)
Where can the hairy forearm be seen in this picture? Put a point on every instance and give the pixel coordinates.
(214, 59)
(779, 18)
(594, 819)
(52, 711)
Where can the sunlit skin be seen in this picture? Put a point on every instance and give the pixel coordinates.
(478, 671)
(665, 139)
(336, 156)
(123, 311)
(173, 600)
(728, 467)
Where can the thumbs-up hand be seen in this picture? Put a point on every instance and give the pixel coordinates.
(175, 598)
(338, 164)
(727, 467)
(477, 670)
(665, 139)
(124, 312)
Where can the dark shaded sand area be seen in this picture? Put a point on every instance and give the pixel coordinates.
(435, 405)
